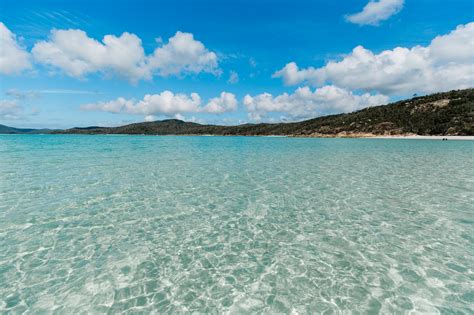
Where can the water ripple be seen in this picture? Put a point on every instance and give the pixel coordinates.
(232, 224)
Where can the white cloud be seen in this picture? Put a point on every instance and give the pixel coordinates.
(115, 106)
(226, 102)
(149, 118)
(13, 58)
(179, 117)
(166, 103)
(233, 78)
(183, 54)
(78, 55)
(376, 11)
(304, 103)
(455, 47)
(195, 120)
(447, 63)
(10, 109)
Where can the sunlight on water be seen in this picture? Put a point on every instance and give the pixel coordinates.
(235, 224)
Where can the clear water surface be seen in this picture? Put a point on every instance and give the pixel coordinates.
(235, 224)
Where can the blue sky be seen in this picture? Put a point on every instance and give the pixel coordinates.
(238, 57)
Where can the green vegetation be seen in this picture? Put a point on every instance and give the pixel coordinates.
(450, 113)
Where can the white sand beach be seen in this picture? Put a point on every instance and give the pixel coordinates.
(415, 137)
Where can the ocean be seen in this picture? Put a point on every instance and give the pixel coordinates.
(172, 224)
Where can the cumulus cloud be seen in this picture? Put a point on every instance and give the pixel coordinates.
(376, 11)
(75, 53)
(183, 54)
(78, 55)
(226, 102)
(10, 109)
(445, 64)
(304, 103)
(13, 58)
(166, 103)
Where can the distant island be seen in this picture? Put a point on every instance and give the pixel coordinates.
(449, 113)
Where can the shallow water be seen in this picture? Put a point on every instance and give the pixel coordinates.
(235, 224)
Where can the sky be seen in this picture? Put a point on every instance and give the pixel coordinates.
(109, 63)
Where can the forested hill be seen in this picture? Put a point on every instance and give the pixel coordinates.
(450, 113)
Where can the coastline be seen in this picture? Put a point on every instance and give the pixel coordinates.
(417, 137)
(340, 136)
(363, 135)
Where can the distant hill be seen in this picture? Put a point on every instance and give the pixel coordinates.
(11, 130)
(450, 113)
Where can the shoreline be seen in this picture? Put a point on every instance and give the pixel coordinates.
(363, 135)
(320, 136)
(418, 137)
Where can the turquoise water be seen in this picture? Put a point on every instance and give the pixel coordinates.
(235, 224)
